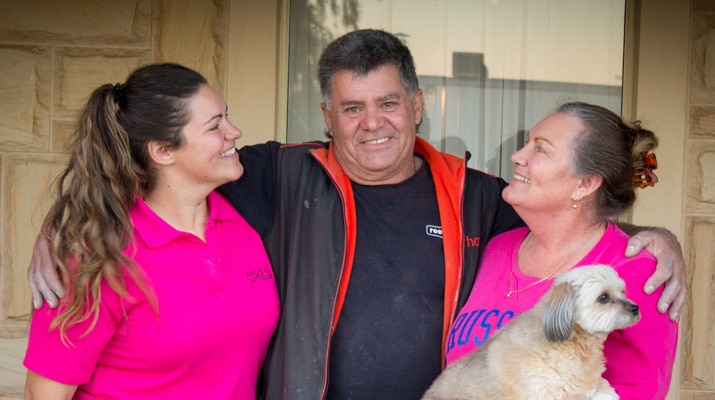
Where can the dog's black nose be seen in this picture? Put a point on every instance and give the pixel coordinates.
(633, 309)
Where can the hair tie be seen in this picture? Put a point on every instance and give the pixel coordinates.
(643, 167)
(119, 93)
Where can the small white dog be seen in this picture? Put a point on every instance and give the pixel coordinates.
(553, 351)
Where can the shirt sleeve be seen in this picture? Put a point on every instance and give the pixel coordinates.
(71, 361)
(252, 195)
(639, 359)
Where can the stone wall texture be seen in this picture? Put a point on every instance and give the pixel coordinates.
(52, 55)
(698, 323)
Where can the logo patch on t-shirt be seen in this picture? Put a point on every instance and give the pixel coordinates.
(435, 231)
(259, 274)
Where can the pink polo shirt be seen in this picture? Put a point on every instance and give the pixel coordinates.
(218, 308)
(639, 359)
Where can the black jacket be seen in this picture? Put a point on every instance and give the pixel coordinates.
(300, 201)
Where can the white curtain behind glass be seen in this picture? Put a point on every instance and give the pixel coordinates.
(489, 69)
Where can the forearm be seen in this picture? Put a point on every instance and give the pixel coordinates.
(631, 229)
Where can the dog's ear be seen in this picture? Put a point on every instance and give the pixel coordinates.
(560, 303)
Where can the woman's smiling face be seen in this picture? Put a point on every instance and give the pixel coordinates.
(207, 154)
(543, 180)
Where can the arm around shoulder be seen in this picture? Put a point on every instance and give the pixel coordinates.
(252, 194)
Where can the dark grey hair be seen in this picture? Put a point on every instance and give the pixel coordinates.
(608, 146)
(364, 51)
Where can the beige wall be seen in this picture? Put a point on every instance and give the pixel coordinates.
(661, 105)
(255, 71)
(51, 57)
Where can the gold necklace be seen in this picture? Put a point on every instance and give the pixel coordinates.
(549, 276)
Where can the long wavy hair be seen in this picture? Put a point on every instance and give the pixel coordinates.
(89, 226)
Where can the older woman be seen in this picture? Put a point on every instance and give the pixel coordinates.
(578, 171)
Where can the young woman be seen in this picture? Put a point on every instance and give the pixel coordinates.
(171, 294)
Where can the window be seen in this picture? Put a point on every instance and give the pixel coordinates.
(489, 69)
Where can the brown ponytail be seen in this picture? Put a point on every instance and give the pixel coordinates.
(89, 225)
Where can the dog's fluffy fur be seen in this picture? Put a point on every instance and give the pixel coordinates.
(553, 351)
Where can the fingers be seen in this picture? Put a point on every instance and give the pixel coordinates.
(42, 276)
(53, 283)
(678, 304)
(36, 296)
(676, 291)
(32, 270)
(672, 299)
(662, 276)
(637, 243)
(670, 270)
(659, 277)
(664, 267)
(45, 292)
(670, 291)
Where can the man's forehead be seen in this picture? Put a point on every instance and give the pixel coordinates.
(387, 70)
(375, 84)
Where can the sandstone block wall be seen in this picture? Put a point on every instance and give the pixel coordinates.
(52, 55)
(698, 323)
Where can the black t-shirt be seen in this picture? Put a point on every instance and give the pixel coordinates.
(387, 344)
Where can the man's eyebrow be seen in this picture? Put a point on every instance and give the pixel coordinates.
(389, 96)
(350, 103)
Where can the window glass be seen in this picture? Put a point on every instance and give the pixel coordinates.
(489, 69)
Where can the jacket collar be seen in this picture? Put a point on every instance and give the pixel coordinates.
(449, 174)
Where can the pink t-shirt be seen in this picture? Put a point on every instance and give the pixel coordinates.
(639, 359)
(218, 308)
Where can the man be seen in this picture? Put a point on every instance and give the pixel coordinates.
(374, 236)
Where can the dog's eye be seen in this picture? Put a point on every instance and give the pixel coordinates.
(604, 298)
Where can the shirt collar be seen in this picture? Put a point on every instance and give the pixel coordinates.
(156, 232)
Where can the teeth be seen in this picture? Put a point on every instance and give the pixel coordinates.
(229, 152)
(377, 141)
(522, 179)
